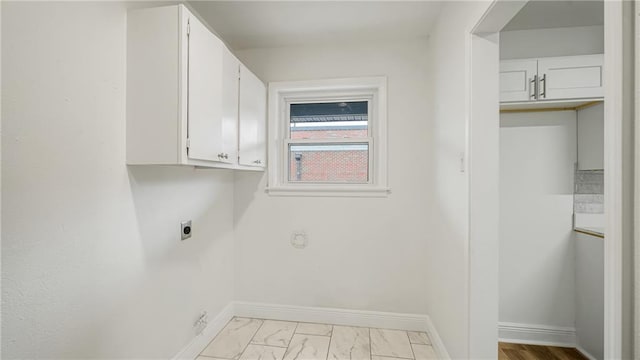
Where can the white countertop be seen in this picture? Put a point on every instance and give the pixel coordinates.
(592, 224)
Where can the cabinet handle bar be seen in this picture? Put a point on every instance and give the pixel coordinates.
(533, 85)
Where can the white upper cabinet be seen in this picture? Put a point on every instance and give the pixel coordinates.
(518, 79)
(253, 110)
(571, 77)
(591, 137)
(156, 80)
(230, 85)
(555, 78)
(183, 93)
(204, 101)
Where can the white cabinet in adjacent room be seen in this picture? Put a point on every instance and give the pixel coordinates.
(571, 77)
(553, 78)
(589, 294)
(591, 137)
(518, 79)
(252, 133)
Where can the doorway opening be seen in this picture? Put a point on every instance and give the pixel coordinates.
(557, 163)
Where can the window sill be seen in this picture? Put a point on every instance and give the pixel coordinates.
(332, 191)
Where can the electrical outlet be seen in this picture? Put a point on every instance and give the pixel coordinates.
(299, 239)
(185, 230)
(201, 323)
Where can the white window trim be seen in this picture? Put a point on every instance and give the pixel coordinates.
(281, 93)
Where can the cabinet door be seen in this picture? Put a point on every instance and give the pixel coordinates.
(204, 114)
(230, 95)
(571, 77)
(591, 138)
(253, 111)
(517, 81)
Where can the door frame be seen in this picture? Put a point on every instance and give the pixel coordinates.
(618, 178)
(483, 288)
(483, 159)
(636, 326)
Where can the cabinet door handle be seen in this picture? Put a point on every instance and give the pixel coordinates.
(226, 156)
(543, 80)
(533, 85)
(257, 162)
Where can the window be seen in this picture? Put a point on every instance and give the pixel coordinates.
(328, 138)
(328, 142)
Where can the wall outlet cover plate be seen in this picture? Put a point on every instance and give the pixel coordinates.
(185, 230)
(299, 239)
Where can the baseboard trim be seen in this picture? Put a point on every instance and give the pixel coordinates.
(436, 341)
(335, 316)
(348, 317)
(585, 353)
(200, 342)
(536, 334)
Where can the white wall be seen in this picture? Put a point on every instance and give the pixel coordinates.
(591, 138)
(536, 43)
(92, 265)
(537, 156)
(484, 189)
(363, 253)
(410, 253)
(448, 264)
(590, 294)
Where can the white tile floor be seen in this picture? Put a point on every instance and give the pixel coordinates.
(247, 339)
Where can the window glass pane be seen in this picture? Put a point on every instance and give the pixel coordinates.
(337, 163)
(336, 120)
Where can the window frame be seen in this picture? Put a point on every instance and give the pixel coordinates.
(283, 94)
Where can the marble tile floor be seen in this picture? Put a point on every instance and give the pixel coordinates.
(252, 339)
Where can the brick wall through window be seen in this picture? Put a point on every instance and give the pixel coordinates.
(329, 165)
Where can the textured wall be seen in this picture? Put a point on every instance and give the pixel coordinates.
(92, 263)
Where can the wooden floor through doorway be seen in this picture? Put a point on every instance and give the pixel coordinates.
(509, 351)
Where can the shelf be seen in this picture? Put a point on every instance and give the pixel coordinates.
(548, 105)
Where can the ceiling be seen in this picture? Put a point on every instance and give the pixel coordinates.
(257, 24)
(545, 14)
